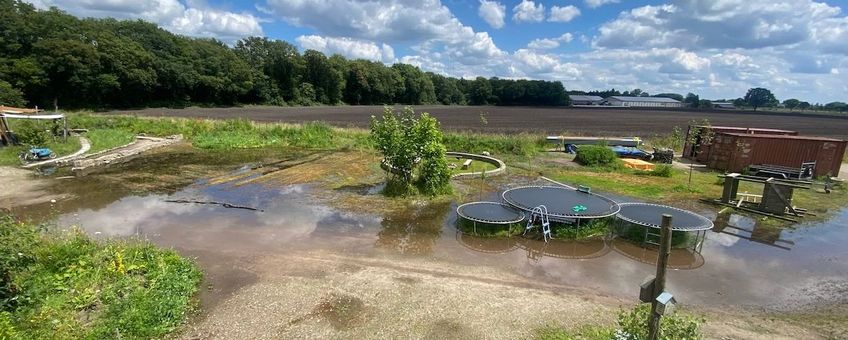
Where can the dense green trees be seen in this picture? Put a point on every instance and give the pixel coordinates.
(759, 97)
(51, 58)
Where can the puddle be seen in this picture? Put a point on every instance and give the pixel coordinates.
(740, 263)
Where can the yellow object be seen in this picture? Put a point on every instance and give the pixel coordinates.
(638, 164)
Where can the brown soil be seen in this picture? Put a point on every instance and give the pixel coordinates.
(22, 187)
(586, 121)
(324, 295)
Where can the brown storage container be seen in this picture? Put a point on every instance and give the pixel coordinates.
(734, 152)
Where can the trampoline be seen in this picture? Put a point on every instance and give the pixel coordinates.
(650, 215)
(563, 204)
(490, 213)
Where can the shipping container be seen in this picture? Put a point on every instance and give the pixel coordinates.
(734, 152)
(701, 135)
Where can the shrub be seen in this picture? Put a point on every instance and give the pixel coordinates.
(633, 325)
(29, 132)
(412, 145)
(663, 170)
(597, 156)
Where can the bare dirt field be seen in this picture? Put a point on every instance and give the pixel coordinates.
(584, 121)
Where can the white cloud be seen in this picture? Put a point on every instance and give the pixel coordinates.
(351, 48)
(528, 11)
(563, 14)
(599, 3)
(192, 19)
(546, 44)
(429, 25)
(493, 13)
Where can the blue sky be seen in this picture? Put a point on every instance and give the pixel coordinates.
(715, 48)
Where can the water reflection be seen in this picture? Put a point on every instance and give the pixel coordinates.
(748, 228)
(491, 245)
(564, 249)
(413, 230)
(679, 258)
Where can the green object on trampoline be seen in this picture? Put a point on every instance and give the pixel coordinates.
(578, 208)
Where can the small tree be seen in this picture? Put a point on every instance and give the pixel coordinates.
(759, 97)
(692, 99)
(791, 103)
(411, 144)
(700, 133)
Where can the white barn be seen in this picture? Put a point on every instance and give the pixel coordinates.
(577, 99)
(642, 101)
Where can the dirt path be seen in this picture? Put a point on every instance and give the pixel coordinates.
(324, 295)
(21, 187)
(584, 121)
(123, 153)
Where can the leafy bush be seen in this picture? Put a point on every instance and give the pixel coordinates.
(596, 156)
(663, 170)
(412, 145)
(29, 132)
(633, 325)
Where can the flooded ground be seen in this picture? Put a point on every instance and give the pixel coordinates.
(741, 262)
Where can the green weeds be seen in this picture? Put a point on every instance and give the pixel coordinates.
(632, 325)
(68, 286)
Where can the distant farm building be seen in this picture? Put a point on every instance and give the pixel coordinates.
(642, 101)
(734, 149)
(585, 100)
(723, 105)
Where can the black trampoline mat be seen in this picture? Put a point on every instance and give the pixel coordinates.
(490, 212)
(650, 215)
(561, 201)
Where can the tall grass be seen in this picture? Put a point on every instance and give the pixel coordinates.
(522, 144)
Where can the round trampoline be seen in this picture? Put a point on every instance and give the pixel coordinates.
(650, 215)
(490, 213)
(562, 203)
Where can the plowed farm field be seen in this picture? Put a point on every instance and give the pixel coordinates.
(498, 119)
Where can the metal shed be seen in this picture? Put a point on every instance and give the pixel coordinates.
(736, 151)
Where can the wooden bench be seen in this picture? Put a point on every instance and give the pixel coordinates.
(466, 164)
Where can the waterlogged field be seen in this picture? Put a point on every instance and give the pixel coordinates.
(292, 234)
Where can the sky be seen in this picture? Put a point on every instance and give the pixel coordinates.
(714, 48)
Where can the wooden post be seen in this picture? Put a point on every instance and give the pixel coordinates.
(659, 284)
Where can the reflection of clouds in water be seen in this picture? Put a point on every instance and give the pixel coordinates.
(721, 239)
(126, 216)
(286, 217)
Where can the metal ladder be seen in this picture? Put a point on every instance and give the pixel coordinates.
(542, 213)
(652, 237)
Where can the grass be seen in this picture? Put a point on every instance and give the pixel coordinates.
(632, 324)
(104, 139)
(476, 166)
(9, 154)
(522, 144)
(587, 229)
(68, 286)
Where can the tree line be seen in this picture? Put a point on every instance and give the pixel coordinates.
(48, 57)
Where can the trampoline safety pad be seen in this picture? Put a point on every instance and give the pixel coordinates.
(650, 215)
(562, 203)
(490, 212)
